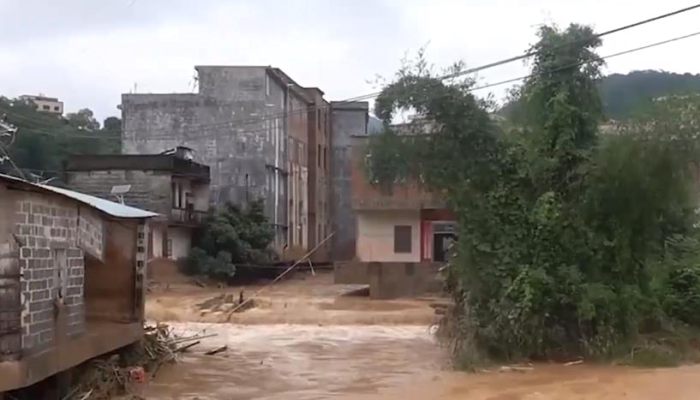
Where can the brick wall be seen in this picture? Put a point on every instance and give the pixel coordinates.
(52, 266)
(91, 233)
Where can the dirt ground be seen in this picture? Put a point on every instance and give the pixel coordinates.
(306, 338)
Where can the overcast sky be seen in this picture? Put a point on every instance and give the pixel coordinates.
(88, 52)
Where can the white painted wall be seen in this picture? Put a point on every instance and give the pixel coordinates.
(375, 235)
(181, 240)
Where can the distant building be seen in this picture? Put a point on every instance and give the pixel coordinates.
(263, 135)
(45, 104)
(170, 184)
(72, 279)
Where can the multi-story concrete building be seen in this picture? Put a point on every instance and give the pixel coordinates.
(45, 104)
(170, 184)
(264, 137)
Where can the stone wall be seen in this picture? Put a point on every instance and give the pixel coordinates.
(52, 266)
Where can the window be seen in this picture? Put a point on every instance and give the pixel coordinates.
(319, 156)
(169, 248)
(402, 239)
(267, 85)
(56, 108)
(45, 107)
(325, 158)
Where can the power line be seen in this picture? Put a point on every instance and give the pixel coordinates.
(282, 114)
(490, 85)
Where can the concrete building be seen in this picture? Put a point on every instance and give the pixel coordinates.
(170, 184)
(251, 125)
(72, 279)
(401, 236)
(348, 120)
(45, 104)
(319, 139)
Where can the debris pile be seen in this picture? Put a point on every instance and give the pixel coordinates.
(122, 373)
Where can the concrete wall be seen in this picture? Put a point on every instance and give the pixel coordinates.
(181, 240)
(319, 174)
(150, 190)
(375, 235)
(394, 280)
(235, 124)
(390, 280)
(348, 119)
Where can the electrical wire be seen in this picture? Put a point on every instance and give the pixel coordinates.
(531, 53)
(215, 128)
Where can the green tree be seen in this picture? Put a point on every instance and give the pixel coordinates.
(231, 236)
(557, 255)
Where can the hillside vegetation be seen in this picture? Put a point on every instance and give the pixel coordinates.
(43, 140)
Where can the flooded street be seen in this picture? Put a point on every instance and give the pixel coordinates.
(308, 339)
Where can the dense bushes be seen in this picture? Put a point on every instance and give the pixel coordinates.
(231, 236)
(564, 233)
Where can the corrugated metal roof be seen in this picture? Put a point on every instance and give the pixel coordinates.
(106, 206)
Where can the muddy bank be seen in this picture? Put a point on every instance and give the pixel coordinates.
(304, 299)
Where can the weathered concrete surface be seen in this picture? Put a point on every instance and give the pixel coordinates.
(395, 280)
(348, 119)
(390, 280)
(350, 273)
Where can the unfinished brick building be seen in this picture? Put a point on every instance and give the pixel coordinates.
(71, 279)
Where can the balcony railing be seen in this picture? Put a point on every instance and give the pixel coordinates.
(187, 216)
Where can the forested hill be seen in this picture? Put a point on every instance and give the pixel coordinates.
(623, 93)
(44, 140)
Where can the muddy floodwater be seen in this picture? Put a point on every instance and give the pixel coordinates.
(307, 339)
(298, 362)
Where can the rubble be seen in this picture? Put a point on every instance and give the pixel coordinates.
(123, 373)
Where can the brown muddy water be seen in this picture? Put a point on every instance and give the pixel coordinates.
(300, 362)
(308, 339)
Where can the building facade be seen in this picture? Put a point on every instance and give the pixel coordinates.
(170, 184)
(405, 224)
(45, 104)
(264, 137)
(319, 138)
(348, 120)
(72, 279)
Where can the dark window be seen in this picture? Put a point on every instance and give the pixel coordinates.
(45, 107)
(56, 108)
(325, 158)
(402, 239)
(319, 156)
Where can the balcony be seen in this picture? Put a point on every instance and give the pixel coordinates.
(188, 217)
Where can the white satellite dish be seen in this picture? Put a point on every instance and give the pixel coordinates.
(119, 190)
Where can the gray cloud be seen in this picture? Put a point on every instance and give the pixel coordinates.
(88, 52)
